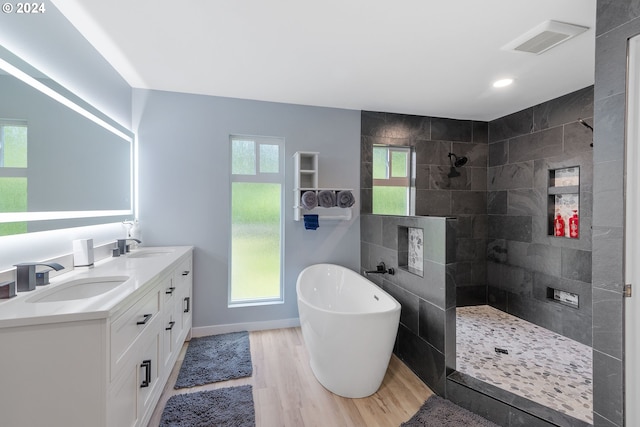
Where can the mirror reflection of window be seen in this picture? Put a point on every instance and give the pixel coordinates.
(13, 143)
(391, 180)
(13, 172)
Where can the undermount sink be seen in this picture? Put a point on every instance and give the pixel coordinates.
(79, 289)
(147, 253)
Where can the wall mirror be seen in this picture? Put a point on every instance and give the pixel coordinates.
(62, 162)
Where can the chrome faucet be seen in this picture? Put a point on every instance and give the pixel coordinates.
(26, 279)
(122, 245)
(381, 269)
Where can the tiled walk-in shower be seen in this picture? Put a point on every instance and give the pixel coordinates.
(537, 364)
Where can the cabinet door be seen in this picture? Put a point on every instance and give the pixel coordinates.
(170, 329)
(149, 370)
(186, 309)
(169, 326)
(123, 402)
(184, 306)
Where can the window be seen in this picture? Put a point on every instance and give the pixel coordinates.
(391, 180)
(257, 176)
(13, 173)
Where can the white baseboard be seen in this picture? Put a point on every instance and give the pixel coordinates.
(202, 331)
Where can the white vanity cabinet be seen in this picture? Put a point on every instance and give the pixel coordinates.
(105, 368)
(177, 311)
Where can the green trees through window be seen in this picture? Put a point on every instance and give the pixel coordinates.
(391, 180)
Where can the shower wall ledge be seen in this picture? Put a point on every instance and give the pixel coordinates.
(502, 407)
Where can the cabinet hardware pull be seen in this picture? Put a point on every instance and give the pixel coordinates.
(146, 319)
(187, 300)
(170, 290)
(185, 273)
(170, 327)
(146, 364)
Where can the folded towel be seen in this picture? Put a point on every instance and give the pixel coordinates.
(310, 222)
(309, 200)
(327, 198)
(345, 199)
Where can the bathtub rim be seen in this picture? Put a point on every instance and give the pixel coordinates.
(397, 305)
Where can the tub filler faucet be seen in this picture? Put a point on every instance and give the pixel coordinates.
(381, 269)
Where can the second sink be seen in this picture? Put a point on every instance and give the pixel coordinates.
(79, 289)
(147, 253)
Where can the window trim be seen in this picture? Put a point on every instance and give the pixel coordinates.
(391, 181)
(265, 178)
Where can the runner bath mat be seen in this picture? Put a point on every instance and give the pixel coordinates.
(232, 406)
(215, 358)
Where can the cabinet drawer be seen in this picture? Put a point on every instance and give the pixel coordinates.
(126, 328)
(183, 273)
(169, 290)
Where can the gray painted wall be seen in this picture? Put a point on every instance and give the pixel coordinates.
(185, 188)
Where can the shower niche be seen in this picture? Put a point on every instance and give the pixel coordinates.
(411, 250)
(564, 202)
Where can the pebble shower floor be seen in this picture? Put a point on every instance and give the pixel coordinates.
(541, 365)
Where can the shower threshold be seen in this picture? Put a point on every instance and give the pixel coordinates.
(524, 359)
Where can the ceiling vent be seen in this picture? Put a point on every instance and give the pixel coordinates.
(545, 36)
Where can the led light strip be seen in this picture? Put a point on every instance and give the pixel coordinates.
(26, 78)
(42, 216)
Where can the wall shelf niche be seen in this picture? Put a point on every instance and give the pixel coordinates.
(564, 202)
(306, 179)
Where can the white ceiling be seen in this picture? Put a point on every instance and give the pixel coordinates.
(425, 57)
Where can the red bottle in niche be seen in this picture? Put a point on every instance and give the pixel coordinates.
(574, 225)
(558, 225)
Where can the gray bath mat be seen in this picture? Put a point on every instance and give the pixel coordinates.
(232, 406)
(439, 412)
(215, 358)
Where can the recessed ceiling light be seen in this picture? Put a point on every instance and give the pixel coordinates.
(502, 82)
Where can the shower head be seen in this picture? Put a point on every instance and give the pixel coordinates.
(457, 161)
(587, 125)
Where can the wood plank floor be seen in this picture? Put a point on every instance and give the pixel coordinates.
(286, 393)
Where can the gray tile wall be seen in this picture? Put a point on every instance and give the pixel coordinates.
(426, 336)
(464, 197)
(617, 20)
(522, 259)
(501, 228)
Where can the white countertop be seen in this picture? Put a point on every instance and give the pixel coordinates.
(19, 311)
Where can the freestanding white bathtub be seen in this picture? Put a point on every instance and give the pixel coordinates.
(349, 326)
